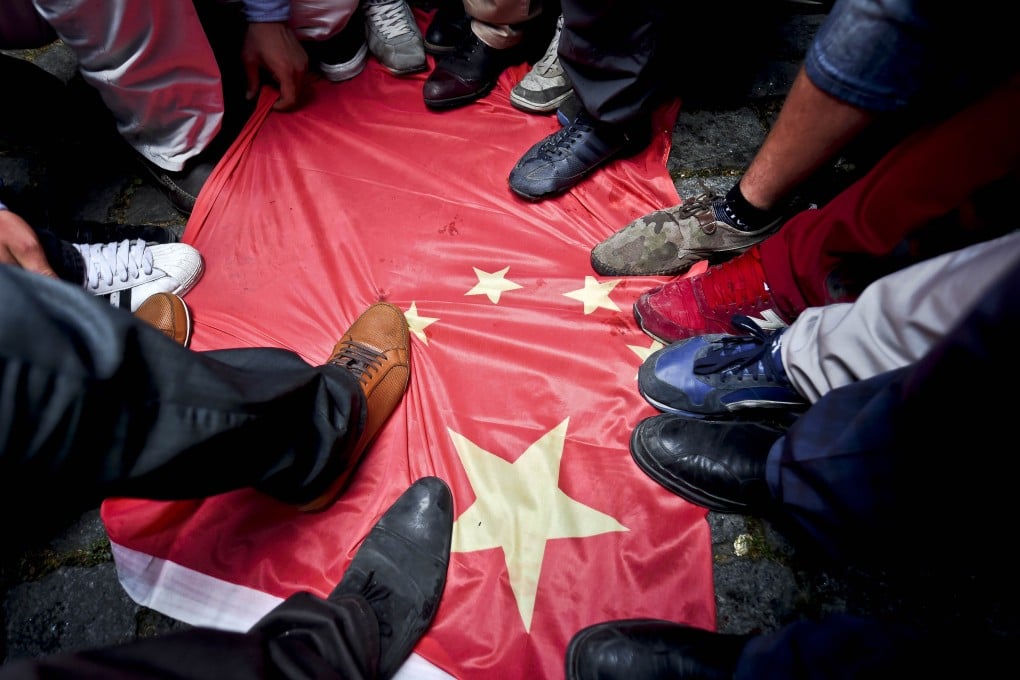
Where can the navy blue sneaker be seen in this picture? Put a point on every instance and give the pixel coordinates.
(712, 376)
(561, 160)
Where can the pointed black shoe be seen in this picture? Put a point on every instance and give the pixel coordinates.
(468, 73)
(650, 649)
(560, 161)
(401, 566)
(719, 465)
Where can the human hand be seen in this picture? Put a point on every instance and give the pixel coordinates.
(20, 246)
(273, 46)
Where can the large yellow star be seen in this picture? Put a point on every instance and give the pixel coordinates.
(519, 507)
(595, 294)
(493, 285)
(417, 323)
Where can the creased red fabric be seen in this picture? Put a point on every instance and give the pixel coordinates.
(523, 391)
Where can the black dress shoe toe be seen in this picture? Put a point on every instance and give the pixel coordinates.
(650, 649)
(716, 464)
(401, 567)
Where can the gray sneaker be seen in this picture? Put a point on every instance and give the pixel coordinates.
(393, 36)
(546, 86)
(669, 242)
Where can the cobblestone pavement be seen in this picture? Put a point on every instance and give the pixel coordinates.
(65, 595)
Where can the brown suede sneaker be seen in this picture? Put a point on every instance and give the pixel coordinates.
(377, 349)
(168, 313)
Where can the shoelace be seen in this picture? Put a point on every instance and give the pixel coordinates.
(375, 592)
(697, 205)
(550, 61)
(561, 143)
(359, 359)
(754, 356)
(389, 18)
(124, 260)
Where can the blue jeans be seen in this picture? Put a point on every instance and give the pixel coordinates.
(881, 55)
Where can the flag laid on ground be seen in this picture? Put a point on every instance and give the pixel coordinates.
(523, 377)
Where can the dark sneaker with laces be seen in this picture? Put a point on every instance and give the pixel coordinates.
(560, 161)
(713, 376)
(707, 302)
(468, 73)
(377, 350)
(401, 567)
(668, 242)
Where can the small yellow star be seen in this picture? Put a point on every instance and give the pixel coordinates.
(492, 285)
(519, 508)
(417, 323)
(645, 352)
(595, 294)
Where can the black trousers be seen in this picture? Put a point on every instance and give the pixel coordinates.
(94, 404)
(914, 470)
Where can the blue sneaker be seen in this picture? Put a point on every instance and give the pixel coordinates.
(712, 376)
(560, 161)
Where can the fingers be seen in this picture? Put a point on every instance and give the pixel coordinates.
(20, 246)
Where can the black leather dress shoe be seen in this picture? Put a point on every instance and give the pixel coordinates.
(401, 568)
(467, 74)
(716, 464)
(449, 27)
(651, 649)
(561, 160)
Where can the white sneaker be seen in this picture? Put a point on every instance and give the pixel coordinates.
(128, 272)
(393, 36)
(546, 85)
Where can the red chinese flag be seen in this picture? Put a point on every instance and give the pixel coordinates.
(523, 388)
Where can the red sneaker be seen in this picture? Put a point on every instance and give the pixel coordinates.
(705, 303)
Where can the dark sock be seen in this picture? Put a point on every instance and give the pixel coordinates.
(744, 216)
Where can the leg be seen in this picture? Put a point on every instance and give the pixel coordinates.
(95, 405)
(611, 53)
(933, 172)
(365, 629)
(316, 20)
(853, 472)
(895, 321)
(153, 67)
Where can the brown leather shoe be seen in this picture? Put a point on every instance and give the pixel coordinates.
(169, 314)
(377, 349)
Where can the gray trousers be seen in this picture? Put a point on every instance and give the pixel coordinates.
(895, 321)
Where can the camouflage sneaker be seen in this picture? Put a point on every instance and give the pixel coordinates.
(668, 242)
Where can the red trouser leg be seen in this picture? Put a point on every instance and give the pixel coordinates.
(926, 176)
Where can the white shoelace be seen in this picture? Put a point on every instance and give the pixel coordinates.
(389, 18)
(124, 260)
